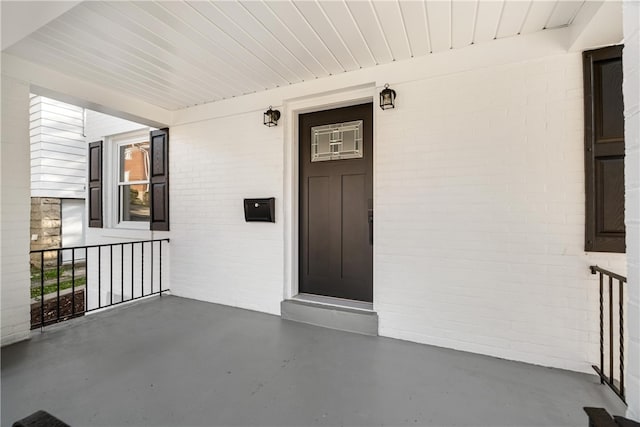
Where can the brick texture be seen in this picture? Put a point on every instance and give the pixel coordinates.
(216, 255)
(14, 210)
(480, 215)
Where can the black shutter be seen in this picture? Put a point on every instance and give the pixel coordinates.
(604, 150)
(160, 179)
(95, 184)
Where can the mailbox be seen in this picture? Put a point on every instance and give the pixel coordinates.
(262, 210)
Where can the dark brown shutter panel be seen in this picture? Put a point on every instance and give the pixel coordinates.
(160, 179)
(95, 184)
(604, 150)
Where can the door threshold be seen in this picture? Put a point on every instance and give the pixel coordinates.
(335, 302)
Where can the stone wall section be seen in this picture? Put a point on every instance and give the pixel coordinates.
(46, 232)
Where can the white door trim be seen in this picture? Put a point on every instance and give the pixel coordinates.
(292, 108)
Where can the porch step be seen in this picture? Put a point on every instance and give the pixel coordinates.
(330, 316)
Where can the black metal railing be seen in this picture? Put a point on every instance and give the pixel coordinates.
(69, 282)
(609, 293)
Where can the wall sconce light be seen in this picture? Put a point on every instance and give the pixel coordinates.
(387, 98)
(271, 117)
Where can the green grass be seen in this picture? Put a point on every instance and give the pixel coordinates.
(49, 273)
(48, 289)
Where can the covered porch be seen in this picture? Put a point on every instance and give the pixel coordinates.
(175, 361)
(481, 181)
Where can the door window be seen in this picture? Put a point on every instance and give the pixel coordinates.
(336, 141)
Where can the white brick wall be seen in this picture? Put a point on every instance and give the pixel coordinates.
(631, 89)
(480, 215)
(215, 255)
(14, 212)
(479, 187)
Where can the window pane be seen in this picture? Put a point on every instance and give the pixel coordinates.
(134, 162)
(134, 202)
(336, 141)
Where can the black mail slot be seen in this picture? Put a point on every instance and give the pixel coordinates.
(260, 210)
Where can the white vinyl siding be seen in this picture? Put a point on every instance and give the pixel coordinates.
(58, 149)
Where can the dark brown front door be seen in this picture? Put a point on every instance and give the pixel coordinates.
(336, 203)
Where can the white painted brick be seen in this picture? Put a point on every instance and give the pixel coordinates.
(631, 92)
(633, 319)
(633, 246)
(633, 399)
(498, 195)
(216, 255)
(14, 183)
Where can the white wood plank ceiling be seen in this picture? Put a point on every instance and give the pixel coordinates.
(177, 54)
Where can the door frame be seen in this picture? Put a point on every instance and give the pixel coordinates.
(347, 97)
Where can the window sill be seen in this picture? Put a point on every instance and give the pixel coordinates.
(131, 225)
(125, 232)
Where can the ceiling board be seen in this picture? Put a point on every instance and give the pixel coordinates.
(219, 45)
(94, 25)
(127, 35)
(413, 14)
(487, 20)
(287, 63)
(302, 31)
(564, 13)
(393, 27)
(97, 58)
(345, 25)
(369, 26)
(276, 26)
(275, 72)
(439, 16)
(538, 16)
(65, 62)
(463, 17)
(513, 17)
(194, 47)
(325, 29)
(176, 54)
(175, 47)
(134, 63)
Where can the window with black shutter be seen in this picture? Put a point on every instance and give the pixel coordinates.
(604, 150)
(160, 179)
(141, 186)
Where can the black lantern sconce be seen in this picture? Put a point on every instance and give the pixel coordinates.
(387, 98)
(271, 117)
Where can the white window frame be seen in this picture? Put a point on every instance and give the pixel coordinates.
(114, 208)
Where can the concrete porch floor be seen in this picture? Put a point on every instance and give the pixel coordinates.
(176, 362)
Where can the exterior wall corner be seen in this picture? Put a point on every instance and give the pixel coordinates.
(14, 210)
(631, 93)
